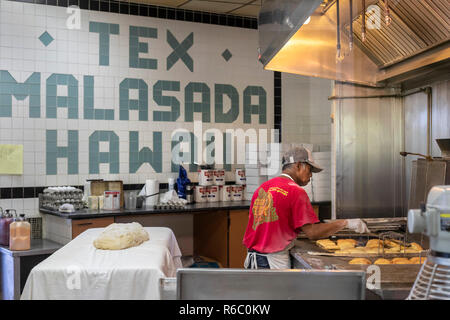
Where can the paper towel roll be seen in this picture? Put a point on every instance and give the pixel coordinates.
(151, 187)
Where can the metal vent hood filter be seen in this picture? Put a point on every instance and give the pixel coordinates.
(415, 43)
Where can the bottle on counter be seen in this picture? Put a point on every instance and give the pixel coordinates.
(171, 182)
(20, 234)
(5, 221)
(190, 193)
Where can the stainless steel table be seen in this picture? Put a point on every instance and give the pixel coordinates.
(15, 266)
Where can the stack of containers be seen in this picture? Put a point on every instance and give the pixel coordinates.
(205, 180)
(210, 185)
(321, 182)
(218, 182)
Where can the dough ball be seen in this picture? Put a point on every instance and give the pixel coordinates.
(119, 236)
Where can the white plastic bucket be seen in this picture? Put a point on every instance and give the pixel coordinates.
(201, 194)
(240, 177)
(205, 177)
(219, 177)
(213, 193)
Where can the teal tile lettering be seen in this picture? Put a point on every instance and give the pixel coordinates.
(180, 51)
(232, 114)
(168, 101)
(126, 104)
(96, 157)
(137, 47)
(29, 88)
(151, 156)
(70, 102)
(191, 106)
(259, 109)
(89, 111)
(104, 30)
(53, 152)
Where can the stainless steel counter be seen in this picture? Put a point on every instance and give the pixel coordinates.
(37, 247)
(15, 266)
(189, 208)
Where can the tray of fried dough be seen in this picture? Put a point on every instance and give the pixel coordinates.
(350, 248)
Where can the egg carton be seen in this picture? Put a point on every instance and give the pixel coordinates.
(170, 205)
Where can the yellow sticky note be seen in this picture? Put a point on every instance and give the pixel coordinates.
(11, 159)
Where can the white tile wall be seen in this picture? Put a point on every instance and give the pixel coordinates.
(321, 182)
(76, 52)
(306, 111)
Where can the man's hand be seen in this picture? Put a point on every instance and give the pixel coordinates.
(357, 225)
(323, 230)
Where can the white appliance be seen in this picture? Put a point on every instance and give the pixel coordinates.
(433, 219)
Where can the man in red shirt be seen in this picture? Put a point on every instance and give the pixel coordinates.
(280, 209)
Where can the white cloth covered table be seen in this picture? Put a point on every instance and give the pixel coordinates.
(80, 271)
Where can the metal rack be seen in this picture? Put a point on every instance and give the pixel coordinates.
(433, 281)
(53, 197)
(391, 236)
(401, 239)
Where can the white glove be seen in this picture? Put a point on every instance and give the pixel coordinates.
(357, 225)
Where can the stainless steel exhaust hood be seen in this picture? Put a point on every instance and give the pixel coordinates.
(414, 46)
(279, 21)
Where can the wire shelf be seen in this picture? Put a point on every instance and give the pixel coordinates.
(432, 283)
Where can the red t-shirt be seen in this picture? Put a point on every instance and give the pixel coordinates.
(279, 208)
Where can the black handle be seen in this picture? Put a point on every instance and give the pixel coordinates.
(150, 195)
(85, 224)
(423, 207)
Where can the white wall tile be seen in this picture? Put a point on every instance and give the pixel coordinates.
(76, 52)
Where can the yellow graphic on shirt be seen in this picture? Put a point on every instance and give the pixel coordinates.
(263, 210)
(276, 189)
